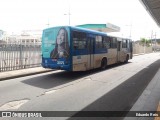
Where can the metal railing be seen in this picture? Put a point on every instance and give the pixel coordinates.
(16, 56)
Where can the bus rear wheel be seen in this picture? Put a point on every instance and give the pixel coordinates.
(127, 58)
(103, 63)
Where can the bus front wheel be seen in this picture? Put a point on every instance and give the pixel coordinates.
(103, 63)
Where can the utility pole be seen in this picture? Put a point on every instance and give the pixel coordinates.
(155, 42)
(69, 14)
(130, 30)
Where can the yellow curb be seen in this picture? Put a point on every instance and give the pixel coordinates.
(158, 109)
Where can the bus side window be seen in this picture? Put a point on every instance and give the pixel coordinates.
(128, 42)
(124, 43)
(106, 42)
(98, 41)
(79, 40)
(113, 42)
(75, 43)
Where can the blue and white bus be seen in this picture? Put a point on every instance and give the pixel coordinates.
(78, 49)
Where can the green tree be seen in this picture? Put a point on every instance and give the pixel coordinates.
(145, 42)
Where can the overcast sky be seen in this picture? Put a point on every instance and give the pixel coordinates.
(129, 15)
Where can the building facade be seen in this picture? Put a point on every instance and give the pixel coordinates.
(24, 38)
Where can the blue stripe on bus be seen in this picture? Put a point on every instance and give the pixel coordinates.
(86, 52)
(80, 52)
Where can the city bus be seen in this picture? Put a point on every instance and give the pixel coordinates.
(79, 49)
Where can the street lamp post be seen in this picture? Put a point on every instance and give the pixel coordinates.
(68, 17)
(68, 14)
(48, 23)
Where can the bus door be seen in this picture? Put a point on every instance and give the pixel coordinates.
(91, 52)
(119, 49)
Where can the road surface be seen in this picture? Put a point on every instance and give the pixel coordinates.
(115, 89)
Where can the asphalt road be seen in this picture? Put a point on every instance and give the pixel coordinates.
(115, 89)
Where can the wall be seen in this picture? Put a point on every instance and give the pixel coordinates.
(137, 49)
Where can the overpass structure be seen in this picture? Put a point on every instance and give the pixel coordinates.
(153, 8)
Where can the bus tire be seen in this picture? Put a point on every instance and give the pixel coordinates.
(103, 63)
(127, 58)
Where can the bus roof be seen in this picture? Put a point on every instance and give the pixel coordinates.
(87, 30)
(80, 29)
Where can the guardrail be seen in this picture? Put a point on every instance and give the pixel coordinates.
(19, 56)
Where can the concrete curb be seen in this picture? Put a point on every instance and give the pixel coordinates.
(23, 75)
(138, 54)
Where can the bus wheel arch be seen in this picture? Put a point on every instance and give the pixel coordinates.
(103, 63)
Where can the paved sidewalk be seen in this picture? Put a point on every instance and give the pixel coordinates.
(149, 99)
(22, 72)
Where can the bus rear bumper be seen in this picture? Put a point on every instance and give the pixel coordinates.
(58, 67)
